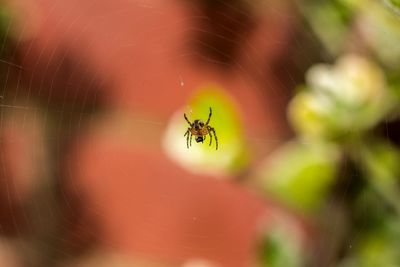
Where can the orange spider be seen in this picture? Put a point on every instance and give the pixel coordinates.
(200, 130)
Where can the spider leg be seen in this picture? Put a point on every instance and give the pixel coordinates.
(211, 129)
(187, 138)
(209, 116)
(184, 115)
(211, 137)
(191, 135)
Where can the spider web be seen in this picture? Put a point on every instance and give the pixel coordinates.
(70, 109)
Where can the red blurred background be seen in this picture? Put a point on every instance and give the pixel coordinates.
(100, 79)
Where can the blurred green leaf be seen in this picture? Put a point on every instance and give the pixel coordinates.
(380, 31)
(301, 175)
(383, 162)
(5, 19)
(393, 5)
(6, 37)
(379, 247)
(280, 247)
(330, 22)
(380, 161)
(368, 209)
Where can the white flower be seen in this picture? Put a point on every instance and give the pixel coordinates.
(353, 80)
(347, 97)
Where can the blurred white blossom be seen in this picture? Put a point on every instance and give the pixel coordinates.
(353, 80)
(348, 96)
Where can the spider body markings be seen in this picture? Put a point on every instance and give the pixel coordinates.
(200, 130)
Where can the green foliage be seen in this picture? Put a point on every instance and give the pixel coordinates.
(330, 21)
(380, 161)
(334, 116)
(6, 39)
(381, 32)
(279, 247)
(393, 5)
(300, 175)
(5, 21)
(378, 247)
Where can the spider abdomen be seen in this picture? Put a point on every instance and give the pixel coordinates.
(199, 138)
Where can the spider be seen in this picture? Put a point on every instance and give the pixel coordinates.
(200, 130)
